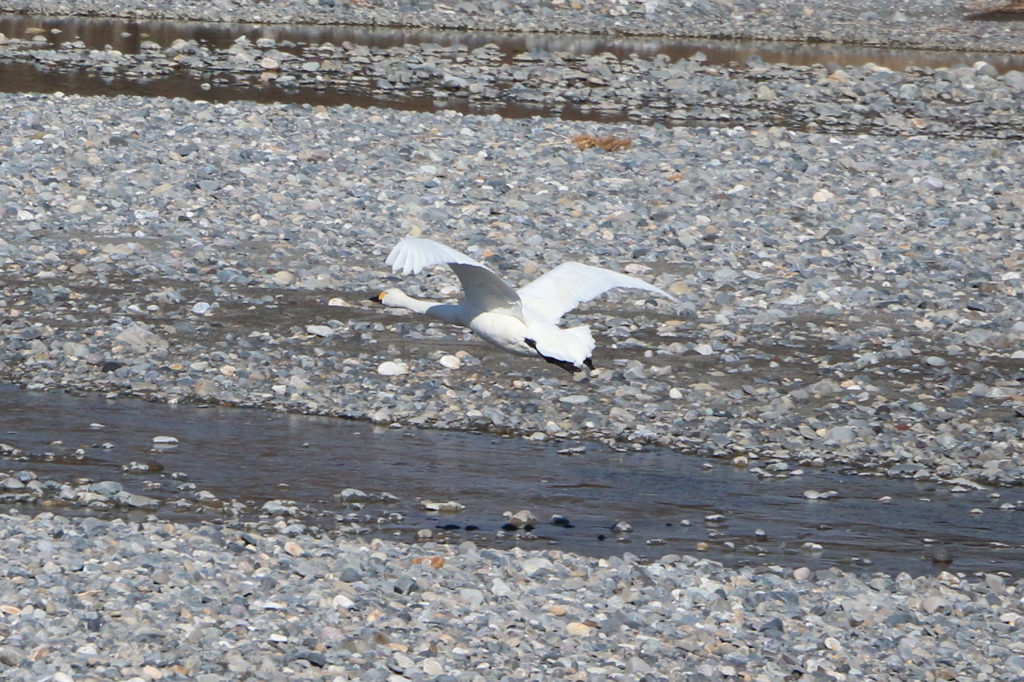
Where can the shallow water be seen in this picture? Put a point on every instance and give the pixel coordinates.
(126, 36)
(16, 77)
(255, 456)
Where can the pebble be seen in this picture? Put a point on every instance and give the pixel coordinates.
(449, 506)
(576, 629)
(450, 361)
(523, 518)
(819, 495)
(537, 567)
(392, 369)
(323, 331)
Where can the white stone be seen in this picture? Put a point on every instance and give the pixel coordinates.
(283, 277)
(319, 330)
(577, 629)
(138, 336)
(537, 566)
(522, 518)
(392, 369)
(432, 667)
(449, 506)
(403, 661)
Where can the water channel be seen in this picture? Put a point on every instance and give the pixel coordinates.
(254, 456)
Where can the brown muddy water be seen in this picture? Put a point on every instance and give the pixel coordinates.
(127, 36)
(25, 78)
(254, 456)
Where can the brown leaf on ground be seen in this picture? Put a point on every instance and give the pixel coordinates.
(609, 143)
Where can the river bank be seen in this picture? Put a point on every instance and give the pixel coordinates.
(956, 100)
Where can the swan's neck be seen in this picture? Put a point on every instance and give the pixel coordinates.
(445, 313)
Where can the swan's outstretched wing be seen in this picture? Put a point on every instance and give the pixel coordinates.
(412, 254)
(483, 289)
(555, 293)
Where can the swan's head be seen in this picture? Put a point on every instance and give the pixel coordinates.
(394, 298)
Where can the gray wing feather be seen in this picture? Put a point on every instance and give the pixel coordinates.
(483, 288)
(412, 254)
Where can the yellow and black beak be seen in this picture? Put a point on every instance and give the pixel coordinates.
(379, 298)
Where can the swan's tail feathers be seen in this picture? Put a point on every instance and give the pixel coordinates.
(582, 333)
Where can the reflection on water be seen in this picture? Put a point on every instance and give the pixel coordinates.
(997, 15)
(256, 456)
(19, 77)
(126, 36)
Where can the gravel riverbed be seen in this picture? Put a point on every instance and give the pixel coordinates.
(848, 301)
(845, 301)
(87, 599)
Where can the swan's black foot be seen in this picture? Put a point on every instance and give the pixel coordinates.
(567, 366)
(564, 364)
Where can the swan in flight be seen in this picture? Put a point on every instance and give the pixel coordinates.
(523, 322)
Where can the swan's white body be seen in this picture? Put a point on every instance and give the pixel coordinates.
(523, 322)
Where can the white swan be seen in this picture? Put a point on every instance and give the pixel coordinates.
(523, 322)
